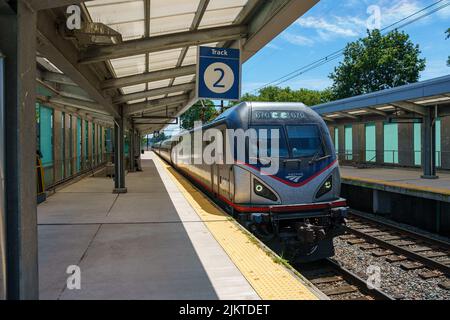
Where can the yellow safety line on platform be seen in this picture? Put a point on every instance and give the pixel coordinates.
(271, 280)
(400, 185)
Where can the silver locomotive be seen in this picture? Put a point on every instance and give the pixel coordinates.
(297, 207)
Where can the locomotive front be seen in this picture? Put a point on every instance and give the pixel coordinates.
(298, 203)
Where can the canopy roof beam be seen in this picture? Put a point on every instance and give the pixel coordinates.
(149, 105)
(154, 92)
(149, 77)
(411, 107)
(161, 43)
(49, 4)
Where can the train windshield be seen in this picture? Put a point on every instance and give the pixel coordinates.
(267, 152)
(305, 141)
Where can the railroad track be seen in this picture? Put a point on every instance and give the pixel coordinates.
(409, 249)
(338, 283)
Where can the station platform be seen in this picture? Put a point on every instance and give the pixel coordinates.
(401, 180)
(162, 240)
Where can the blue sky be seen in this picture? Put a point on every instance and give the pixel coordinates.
(331, 24)
(328, 27)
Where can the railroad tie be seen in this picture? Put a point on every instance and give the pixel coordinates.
(429, 274)
(445, 285)
(392, 259)
(411, 266)
(369, 246)
(339, 290)
(382, 253)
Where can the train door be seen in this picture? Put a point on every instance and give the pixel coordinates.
(215, 172)
(223, 172)
(2, 188)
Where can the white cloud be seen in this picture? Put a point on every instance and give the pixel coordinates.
(297, 39)
(331, 27)
(401, 9)
(444, 13)
(341, 27)
(273, 46)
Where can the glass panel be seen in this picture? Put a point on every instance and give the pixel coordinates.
(114, 13)
(163, 8)
(371, 145)
(391, 143)
(438, 143)
(175, 93)
(348, 142)
(171, 24)
(164, 59)
(78, 144)
(129, 65)
(2, 188)
(218, 18)
(283, 150)
(183, 79)
(63, 143)
(417, 144)
(305, 141)
(336, 140)
(221, 4)
(46, 142)
(158, 84)
(94, 153)
(86, 139)
(133, 89)
(130, 30)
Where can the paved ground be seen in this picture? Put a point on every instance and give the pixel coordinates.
(141, 245)
(405, 177)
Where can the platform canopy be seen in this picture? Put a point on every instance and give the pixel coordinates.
(148, 68)
(408, 101)
(423, 102)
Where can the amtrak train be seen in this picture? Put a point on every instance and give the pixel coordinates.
(296, 208)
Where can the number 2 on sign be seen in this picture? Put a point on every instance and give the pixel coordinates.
(222, 75)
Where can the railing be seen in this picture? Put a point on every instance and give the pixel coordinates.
(59, 171)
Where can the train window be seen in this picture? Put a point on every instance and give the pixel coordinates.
(305, 141)
(283, 150)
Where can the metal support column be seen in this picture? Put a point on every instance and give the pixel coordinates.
(119, 156)
(18, 44)
(132, 149)
(429, 145)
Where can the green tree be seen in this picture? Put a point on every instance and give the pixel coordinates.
(448, 36)
(276, 94)
(198, 113)
(377, 62)
(158, 138)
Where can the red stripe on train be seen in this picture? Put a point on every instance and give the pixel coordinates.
(292, 184)
(278, 209)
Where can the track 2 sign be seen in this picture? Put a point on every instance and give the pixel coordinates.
(218, 73)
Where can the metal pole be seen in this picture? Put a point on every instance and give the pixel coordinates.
(119, 169)
(18, 44)
(429, 146)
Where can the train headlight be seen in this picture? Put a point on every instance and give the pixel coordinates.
(326, 187)
(263, 191)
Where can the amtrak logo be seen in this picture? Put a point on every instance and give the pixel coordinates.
(294, 177)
